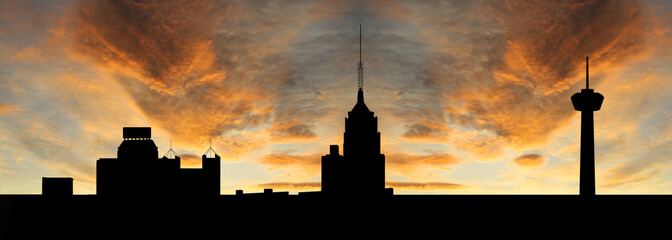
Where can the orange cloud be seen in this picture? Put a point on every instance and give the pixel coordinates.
(300, 186)
(190, 161)
(328, 9)
(424, 186)
(303, 186)
(294, 166)
(546, 41)
(8, 109)
(409, 165)
(30, 54)
(426, 131)
(190, 66)
(287, 160)
(159, 43)
(508, 71)
(530, 160)
(290, 130)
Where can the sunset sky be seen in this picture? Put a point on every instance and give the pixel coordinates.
(472, 97)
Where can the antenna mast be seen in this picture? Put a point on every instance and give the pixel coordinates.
(170, 154)
(210, 151)
(360, 64)
(587, 73)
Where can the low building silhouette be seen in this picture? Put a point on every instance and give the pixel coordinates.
(137, 171)
(57, 186)
(267, 194)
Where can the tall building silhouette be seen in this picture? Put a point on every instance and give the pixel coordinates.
(361, 168)
(587, 101)
(137, 171)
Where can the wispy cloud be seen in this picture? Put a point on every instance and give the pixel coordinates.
(291, 186)
(8, 108)
(424, 186)
(529, 160)
(304, 186)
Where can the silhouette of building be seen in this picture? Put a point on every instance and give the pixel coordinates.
(56, 186)
(361, 168)
(137, 171)
(587, 101)
(267, 194)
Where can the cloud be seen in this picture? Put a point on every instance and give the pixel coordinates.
(302, 186)
(411, 165)
(644, 166)
(293, 131)
(426, 131)
(530, 160)
(284, 160)
(38, 139)
(163, 45)
(546, 42)
(29, 54)
(632, 173)
(195, 68)
(8, 108)
(291, 186)
(506, 67)
(293, 166)
(190, 161)
(424, 186)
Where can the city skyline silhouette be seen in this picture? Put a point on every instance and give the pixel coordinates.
(140, 183)
(360, 171)
(171, 112)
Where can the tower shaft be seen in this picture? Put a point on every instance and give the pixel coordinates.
(587, 164)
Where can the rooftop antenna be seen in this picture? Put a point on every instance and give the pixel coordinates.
(210, 152)
(360, 64)
(170, 154)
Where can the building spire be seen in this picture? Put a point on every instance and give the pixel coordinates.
(210, 153)
(360, 106)
(171, 154)
(587, 74)
(360, 64)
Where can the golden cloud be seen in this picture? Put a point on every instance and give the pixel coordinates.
(426, 131)
(424, 186)
(530, 160)
(547, 41)
(190, 161)
(292, 130)
(300, 186)
(293, 166)
(283, 160)
(291, 186)
(508, 71)
(194, 68)
(8, 108)
(410, 165)
(159, 43)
